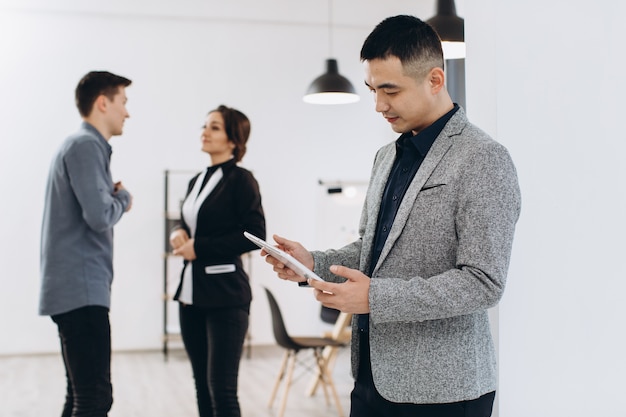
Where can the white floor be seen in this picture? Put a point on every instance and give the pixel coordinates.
(146, 385)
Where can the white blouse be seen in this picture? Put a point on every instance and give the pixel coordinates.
(190, 209)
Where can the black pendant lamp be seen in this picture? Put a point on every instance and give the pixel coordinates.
(331, 87)
(451, 29)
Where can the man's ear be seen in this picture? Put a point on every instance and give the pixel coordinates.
(437, 79)
(101, 103)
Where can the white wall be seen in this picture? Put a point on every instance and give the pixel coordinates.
(184, 58)
(547, 79)
(543, 77)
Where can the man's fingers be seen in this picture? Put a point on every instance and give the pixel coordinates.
(322, 286)
(285, 244)
(279, 239)
(279, 268)
(348, 273)
(274, 262)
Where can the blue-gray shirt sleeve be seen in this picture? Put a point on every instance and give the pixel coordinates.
(88, 170)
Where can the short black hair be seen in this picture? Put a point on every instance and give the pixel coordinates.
(93, 85)
(408, 38)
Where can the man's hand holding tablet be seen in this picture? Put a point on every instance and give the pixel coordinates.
(286, 259)
(350, 296)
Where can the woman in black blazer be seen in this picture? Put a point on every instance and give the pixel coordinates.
(214, 292)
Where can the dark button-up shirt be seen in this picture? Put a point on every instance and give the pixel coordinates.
(410, 153)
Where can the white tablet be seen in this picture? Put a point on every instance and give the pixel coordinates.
(291, 262)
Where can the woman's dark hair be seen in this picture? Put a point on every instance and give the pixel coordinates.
(237, 127)
(93, 85)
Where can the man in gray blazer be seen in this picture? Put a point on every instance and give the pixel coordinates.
(435, 240)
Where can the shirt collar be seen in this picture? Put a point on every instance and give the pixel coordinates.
(89, 127)
(425, 139)
(213, 168)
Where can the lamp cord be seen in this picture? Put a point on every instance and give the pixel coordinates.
(330, 28)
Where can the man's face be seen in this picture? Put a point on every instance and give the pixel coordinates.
(406, 103)
(116, 112)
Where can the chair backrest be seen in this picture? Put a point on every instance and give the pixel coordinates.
(328, 315)
(278, 325)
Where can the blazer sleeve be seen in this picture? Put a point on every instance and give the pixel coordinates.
(474, 243)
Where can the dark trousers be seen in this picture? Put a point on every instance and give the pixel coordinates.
(367, 402)
(213, 339)
(85, 335)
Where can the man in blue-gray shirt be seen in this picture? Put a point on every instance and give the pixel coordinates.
(82, 205)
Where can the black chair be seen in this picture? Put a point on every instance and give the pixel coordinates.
(329, 315)
(292, 346)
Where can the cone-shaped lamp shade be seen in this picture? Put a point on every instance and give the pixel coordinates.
(331, 87)
(451, 29)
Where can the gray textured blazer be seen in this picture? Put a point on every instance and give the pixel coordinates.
(443, 265)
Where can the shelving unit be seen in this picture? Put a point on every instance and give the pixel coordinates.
(174, 187)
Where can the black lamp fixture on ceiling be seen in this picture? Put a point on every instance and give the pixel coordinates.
(331, 87)
(451, 29)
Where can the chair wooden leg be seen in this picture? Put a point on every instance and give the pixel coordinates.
(315, 381)
(292, 365)
(279, 378)
(330, 355)
(319, 359)
(327, 381)
(334, 391)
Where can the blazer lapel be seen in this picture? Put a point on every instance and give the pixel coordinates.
(377, 189)
(436, 153)
(208, 188)
(373, 200)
